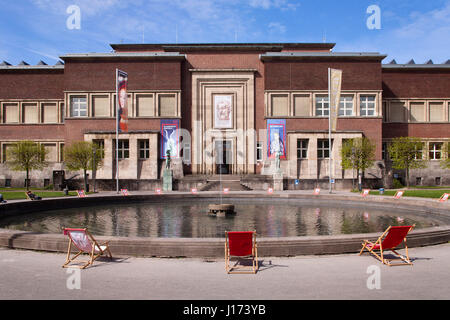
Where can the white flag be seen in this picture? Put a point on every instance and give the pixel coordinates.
(335, 95)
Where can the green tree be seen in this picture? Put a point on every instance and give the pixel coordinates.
(83, 155)
(445, 162)
(406, 153)
(357, 154)
(26, 156)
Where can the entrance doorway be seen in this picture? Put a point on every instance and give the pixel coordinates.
(223, 156)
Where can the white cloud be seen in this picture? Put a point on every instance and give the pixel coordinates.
(276, 28)
(422, 36)
(279, 4)
(87, 7)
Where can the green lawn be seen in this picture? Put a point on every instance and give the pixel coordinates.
(421, 193)
(17, 195)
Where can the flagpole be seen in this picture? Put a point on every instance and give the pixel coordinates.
(329, 128)
(117, 133)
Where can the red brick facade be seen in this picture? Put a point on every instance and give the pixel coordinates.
(290, 68)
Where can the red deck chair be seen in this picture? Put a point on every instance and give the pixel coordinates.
(241, 244)
(444, 197)
(85, 243)
(393, 237)
(81, 194)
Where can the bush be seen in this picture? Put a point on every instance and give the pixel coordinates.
(397, 184)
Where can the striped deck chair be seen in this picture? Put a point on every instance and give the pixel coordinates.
(85, 243)
(444, 197)
(399, 194)
(81, 194)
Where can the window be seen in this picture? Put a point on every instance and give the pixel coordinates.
(302, 148)
(323, 148)
(11, 113)
(49, 113)
(448, 112)
(100, 106)
(61, 152)
(101, 146)
(144, 149)
(436, 112)
(78, 107)
(63, 112)
(417, 111)
(30, 113)
(167, 105)
(5, 151)
(186, 152)
(367, 106)
(259, 151)
(435, 151)
(301, 105)
(346, 106)
(144, 105)
(397, 111)
(52, 154)
(124, 149)
(280, 105)
(322, 106)
(418, 154)
(418, 181)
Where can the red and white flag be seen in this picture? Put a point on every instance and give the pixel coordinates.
(122, 100)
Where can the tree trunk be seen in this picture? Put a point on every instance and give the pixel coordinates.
(407, 177)
(85, 179)
(27, 183)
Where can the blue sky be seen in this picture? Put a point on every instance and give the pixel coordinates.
(34, 30)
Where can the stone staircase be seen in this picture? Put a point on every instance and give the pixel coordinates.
(217, 183)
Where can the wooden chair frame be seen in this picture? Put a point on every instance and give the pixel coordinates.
(95, 252)
(370, 247)
(241, 269)
(32, 199)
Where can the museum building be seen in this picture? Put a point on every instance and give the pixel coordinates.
(229, 102)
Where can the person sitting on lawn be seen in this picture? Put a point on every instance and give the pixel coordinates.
(32, 196)
(1, 199)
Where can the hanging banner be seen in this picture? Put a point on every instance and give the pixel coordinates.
(169, 138)
(335, 82)
(122, 101)
(276, 138)
(223, 111)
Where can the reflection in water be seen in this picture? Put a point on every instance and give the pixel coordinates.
(190, 219)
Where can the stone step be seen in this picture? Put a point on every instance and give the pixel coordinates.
(231, 185)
